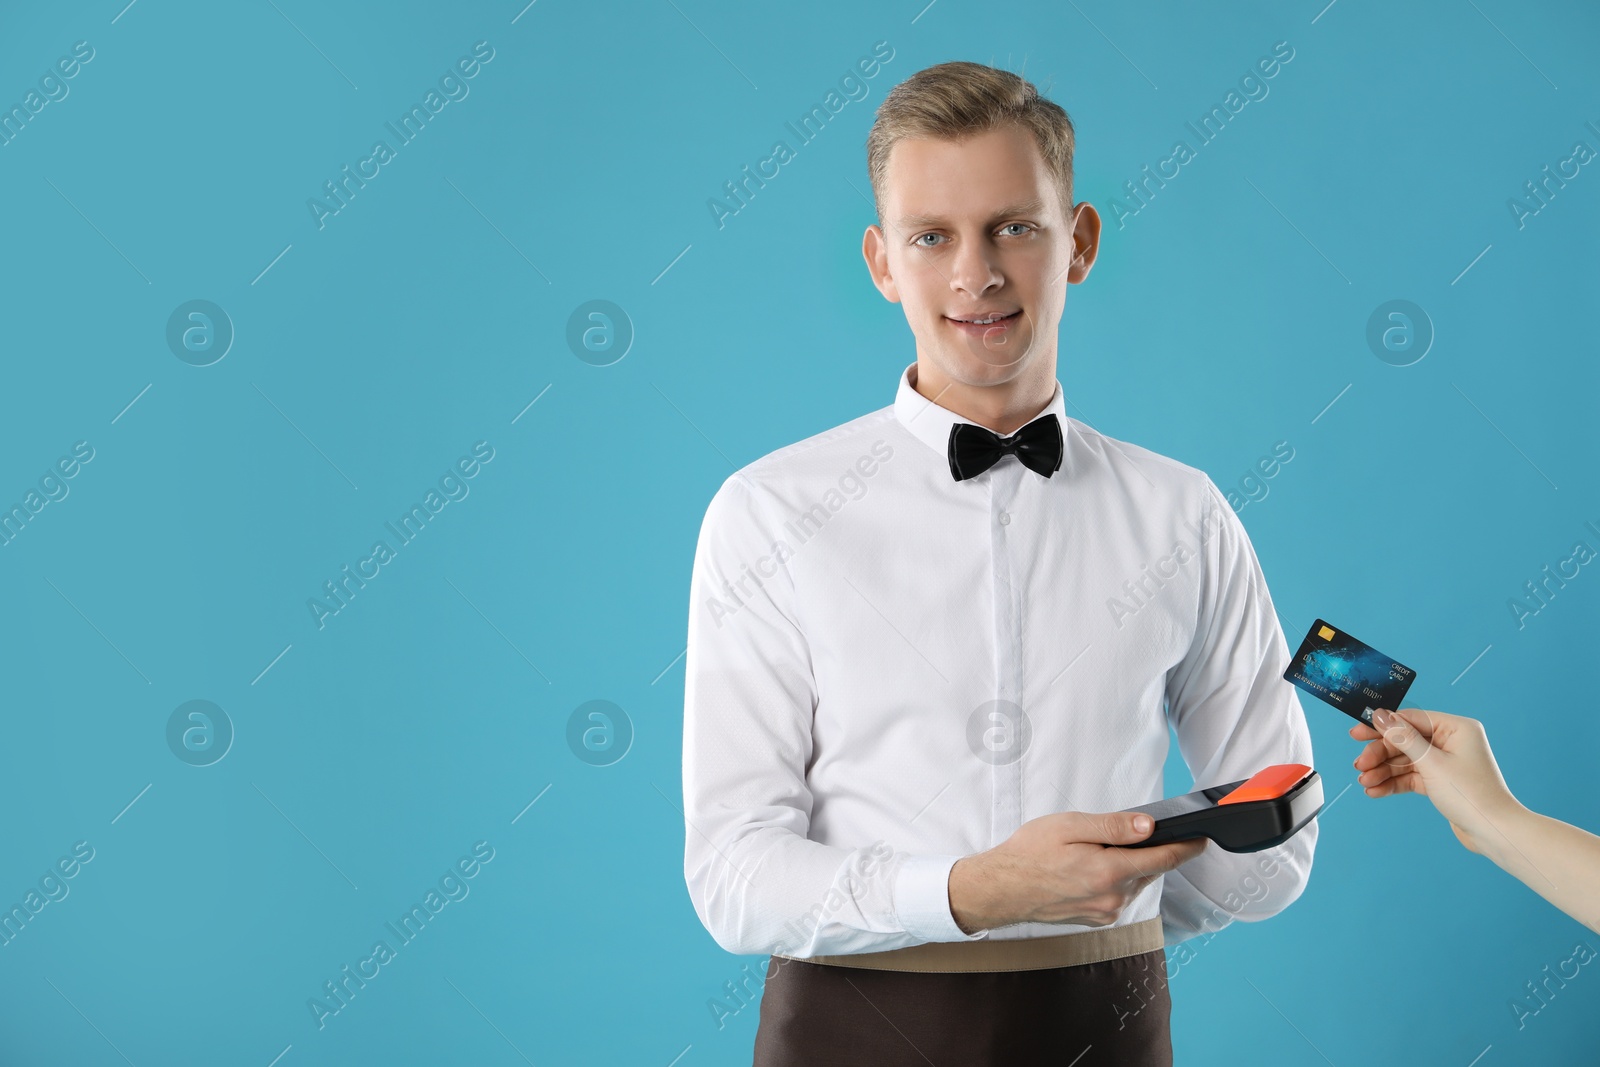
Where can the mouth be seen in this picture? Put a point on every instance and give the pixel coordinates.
(984, 325)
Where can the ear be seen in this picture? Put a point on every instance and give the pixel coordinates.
(875, 250)
(1085, 241)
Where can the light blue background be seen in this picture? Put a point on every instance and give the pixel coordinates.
(432, 310)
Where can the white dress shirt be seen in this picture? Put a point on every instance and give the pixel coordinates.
(888, 670)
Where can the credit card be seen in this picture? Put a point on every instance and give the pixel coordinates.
(1351, 675)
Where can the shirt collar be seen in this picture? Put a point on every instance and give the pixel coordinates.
(931, 423)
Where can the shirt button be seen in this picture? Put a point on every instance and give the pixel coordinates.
(1005, 519)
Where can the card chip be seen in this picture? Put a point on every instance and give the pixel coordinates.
(1326, 633)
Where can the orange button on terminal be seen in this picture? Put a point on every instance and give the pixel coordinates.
(1275, 781)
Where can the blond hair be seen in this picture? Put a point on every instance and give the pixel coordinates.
(952, 101)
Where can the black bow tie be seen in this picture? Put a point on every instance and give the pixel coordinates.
(974, 449)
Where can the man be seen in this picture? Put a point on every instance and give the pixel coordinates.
(934, 650)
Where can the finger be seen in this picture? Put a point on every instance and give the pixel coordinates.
(1377, 776)
(1103, 827)
(1402, 734)
(1400, 783)
(1374, 754)
(1362, 732)
(1158, 859)
(1136, 862)
(1399, 764)
(1422, 720)
(1120, 827)
(1394, 765)
(1441, 731)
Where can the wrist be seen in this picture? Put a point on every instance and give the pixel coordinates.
(1503, 828)
(970, 889)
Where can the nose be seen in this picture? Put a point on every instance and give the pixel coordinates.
(972, 269)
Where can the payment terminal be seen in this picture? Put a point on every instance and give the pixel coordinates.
(1249, 815)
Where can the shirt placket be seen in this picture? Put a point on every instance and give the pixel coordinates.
(1005, 810)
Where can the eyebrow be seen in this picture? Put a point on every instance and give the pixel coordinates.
(1026, 207)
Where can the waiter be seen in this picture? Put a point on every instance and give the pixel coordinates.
(935, 649)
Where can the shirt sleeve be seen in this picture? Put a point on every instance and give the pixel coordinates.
(758, 884)
(1234, 714)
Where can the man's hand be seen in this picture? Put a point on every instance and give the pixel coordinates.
(1447, 759)
(1062, 868)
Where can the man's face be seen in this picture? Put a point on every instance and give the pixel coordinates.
(975, 229)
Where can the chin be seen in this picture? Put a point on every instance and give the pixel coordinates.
(996, 365)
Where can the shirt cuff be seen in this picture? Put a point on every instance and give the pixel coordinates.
(922, 899)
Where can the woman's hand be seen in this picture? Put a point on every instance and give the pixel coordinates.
(1447, 759)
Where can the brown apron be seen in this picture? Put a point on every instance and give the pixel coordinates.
(1079, 1000)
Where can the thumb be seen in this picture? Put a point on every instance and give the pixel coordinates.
(1400, 732)
(1127, 827)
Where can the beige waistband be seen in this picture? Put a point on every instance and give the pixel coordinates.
(1014, 954)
